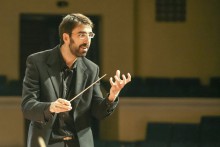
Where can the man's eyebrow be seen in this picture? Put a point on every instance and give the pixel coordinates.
(84, 32)
(81, 32)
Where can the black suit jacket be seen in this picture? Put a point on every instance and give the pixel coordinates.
(41, 86)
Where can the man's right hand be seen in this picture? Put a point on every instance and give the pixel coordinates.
(60, 105)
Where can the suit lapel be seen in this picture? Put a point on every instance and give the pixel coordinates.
(54, 71)
(81, 79)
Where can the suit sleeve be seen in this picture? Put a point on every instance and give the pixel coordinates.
(32, 108)
(101, 107)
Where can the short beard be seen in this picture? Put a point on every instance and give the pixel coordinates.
(77, 53)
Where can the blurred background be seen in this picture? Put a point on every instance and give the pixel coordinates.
(171, 48)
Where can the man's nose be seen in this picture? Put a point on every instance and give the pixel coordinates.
(86, 39)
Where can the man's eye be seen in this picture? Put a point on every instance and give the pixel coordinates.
(81, 35)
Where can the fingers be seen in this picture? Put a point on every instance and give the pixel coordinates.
(118, 84)
(116, 77)
(111, 81)
(124, 79)
(118, 81)
(60, 105)
(118, 73)
(63, 102)
(129, 77)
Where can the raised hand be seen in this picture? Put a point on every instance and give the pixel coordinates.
(117, 84)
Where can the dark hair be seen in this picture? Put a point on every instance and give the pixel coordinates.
(70, 21)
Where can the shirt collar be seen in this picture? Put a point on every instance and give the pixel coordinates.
(63, 65)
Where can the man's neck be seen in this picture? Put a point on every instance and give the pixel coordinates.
(68, 57)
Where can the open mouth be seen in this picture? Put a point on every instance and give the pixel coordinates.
(84, 48)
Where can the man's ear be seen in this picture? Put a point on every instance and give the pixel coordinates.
(66, 38)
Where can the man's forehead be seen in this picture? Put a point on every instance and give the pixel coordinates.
(82, 28)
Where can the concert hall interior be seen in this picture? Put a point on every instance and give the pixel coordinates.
(170, 47)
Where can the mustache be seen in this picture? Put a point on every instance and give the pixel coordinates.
(84, 45)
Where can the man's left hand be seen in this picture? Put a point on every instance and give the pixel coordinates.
(117, 85)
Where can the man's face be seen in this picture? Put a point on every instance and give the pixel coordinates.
(80, 40)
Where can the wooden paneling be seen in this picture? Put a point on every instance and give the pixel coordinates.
(133, 114)
(12, 122)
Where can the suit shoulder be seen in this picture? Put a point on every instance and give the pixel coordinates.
(40, 54)
(89, 63)
(43, 55)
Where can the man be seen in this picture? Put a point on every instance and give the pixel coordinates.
(53, 77)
